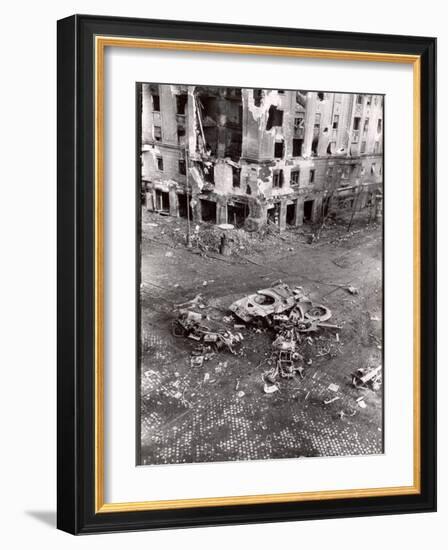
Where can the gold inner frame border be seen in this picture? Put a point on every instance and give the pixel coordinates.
(101, 42)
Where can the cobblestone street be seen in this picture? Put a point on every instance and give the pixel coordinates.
(219, 412)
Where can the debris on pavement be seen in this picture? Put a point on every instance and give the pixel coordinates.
(368, 377)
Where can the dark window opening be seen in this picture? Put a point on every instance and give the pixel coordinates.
(155, 102)
(359, 99)
(366, 125)
(181, 135)
(373, 168)
(275, 117)
(258, 97)
(330, 148)
(356, 122)
(208, 211)
(295, 177)
(236, 176)
(321, 96)
(160, 163)
(379, 125)
(162, 201)
(290, 214)
(182, 200)
(279, 149)
(248, 190)
(297, 145)
(369, 100)
(181, 103)
(281, 91)
(307, 211)
(277, 179)
(182, 167)
(314, 145)
(312, 175)
(335, 121)
(363, 147)
(157, 133)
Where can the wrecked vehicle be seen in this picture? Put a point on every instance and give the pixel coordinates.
(278, 305)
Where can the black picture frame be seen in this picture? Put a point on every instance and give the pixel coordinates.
(76, 286)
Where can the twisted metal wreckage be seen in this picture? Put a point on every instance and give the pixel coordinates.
(286, 311)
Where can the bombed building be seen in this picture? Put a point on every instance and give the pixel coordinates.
(246, 156)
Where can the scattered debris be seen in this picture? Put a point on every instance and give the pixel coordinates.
(368, 377)
(241, 394)
(353, 290)
(270, 388)
(328, 401)
(362, 404)
(333, 387)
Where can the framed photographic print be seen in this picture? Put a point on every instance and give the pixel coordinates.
(246, 274)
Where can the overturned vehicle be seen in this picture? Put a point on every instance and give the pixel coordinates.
(281, 305)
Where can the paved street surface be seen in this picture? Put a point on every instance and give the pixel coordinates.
(219, 411)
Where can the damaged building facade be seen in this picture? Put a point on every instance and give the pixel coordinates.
(246, 156)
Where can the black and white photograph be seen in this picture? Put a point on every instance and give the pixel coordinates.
(261, 297)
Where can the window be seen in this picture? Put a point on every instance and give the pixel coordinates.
(160, 164)
(312, 175)
(295, 177)
(258, 96)
(182, 167)
(279, 149)
(297, 147)
(373, 168)
(356, 122)
(180, 134)
(376, 147)
(317, 122)
(363, 147)
(359, 99)
(157, 133)
(277, 179)
(369, 100)
(366, 125)
(331, 147)
(155, 102)
(321, 96)
(379, 125)
(275, 117)
(330, 172)
(181, 102)
(236, 179)
(335, 122)
(281, 91)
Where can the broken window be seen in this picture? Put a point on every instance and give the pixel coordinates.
(335, 122)
(279, 149)
(236, 173)
(157, 133)
(379, 125)
(277, 179)
(181, 135)
(275, 117)
(182, 167)
(258, 96)
(312, 175)
(160, 163)
(295, 177)
(181, 102)
(366, 125)
(356, 122)
(297, 145)
(363, 147)
(155, 102)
